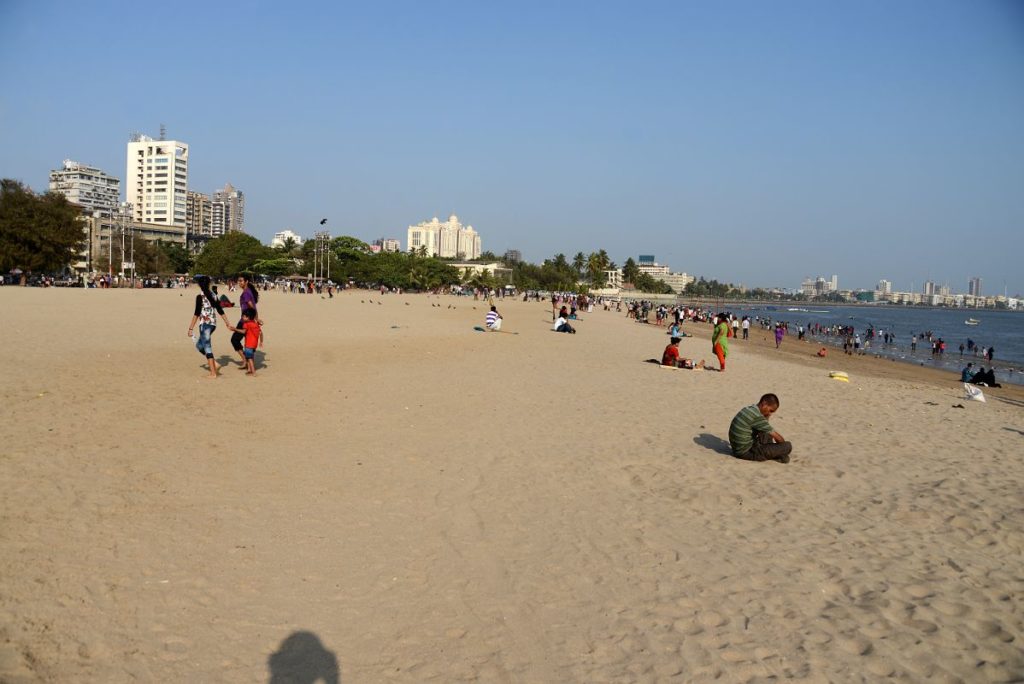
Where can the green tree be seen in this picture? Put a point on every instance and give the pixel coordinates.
(175, 256)
(232, 253)
(579, 262)
(278, 266)
(289, 246)
(597, 264)
(630, 271)
(37, 232)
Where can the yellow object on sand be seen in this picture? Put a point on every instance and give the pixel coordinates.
(839, 375)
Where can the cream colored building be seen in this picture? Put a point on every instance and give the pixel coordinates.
(449, 239)
(100, 231)
(198, 214)
(156, 180)
(86, 186)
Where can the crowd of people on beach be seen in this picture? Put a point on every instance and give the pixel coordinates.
(751, 437)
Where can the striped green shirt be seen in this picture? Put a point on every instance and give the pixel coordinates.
(741, 432)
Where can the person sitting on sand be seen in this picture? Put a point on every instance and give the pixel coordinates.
(562, 325)
(493, 320)
(822, 352)
(967, 373)
(985, 378)
(752, 437)
(670, 357)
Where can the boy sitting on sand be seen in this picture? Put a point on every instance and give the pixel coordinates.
(752, 437)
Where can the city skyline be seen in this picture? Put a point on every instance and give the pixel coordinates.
(876, 142)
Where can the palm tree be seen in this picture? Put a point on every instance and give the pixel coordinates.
(630, 271)
(595, 269)
(289, 245)
(578, 262)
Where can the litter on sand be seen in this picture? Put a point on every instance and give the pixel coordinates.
(839, 375)
(974, 393)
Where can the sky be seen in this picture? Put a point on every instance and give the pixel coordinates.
(756, 143)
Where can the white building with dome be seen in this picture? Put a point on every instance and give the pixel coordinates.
(449, 239)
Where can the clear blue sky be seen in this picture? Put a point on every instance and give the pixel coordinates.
(752, 142)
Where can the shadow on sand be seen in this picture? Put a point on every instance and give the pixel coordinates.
(716, 444)
(302, 659)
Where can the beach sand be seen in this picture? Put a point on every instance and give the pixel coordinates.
(430, 503)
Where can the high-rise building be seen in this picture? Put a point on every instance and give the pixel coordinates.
(929, 288)
(285, 235)
(974, 286)
(88, 187)
(833, 284)
(156, 180)
(513, 256)
(228, 207)
(388, 244)
(447, 240)
(198, 214)
(884, 286)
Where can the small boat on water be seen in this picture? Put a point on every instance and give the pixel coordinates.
(972, 321)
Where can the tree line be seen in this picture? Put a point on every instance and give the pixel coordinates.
(43, 233)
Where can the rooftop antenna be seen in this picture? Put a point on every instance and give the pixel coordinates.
(163, 132)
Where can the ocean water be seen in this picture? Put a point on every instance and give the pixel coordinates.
(1003, 330)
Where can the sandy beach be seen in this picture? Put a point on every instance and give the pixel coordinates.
(396, 497)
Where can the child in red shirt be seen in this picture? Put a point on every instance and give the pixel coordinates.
(253, 336)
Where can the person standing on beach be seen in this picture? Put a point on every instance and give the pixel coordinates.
(746, 327)
(253, 335)
(720, 341)
(779, 334)
(206, 310)
(913, 343)
(752, 437)
(247, 300)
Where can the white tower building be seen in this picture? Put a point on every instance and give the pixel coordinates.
(156, 180)
(228, 210)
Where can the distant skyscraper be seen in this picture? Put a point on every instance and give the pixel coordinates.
(884, 286)
(448, 240)
(929, 288)
(228, 207)
(513, 256)
(388, 244)
(198, 214)
(974, 287)
(156, 180)
(86, 186)
(833, 285)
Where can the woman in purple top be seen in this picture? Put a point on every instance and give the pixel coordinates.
(248, 299)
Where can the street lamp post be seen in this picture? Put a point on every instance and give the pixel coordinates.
(320, 254)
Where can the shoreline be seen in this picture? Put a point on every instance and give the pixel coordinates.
(805, 352)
